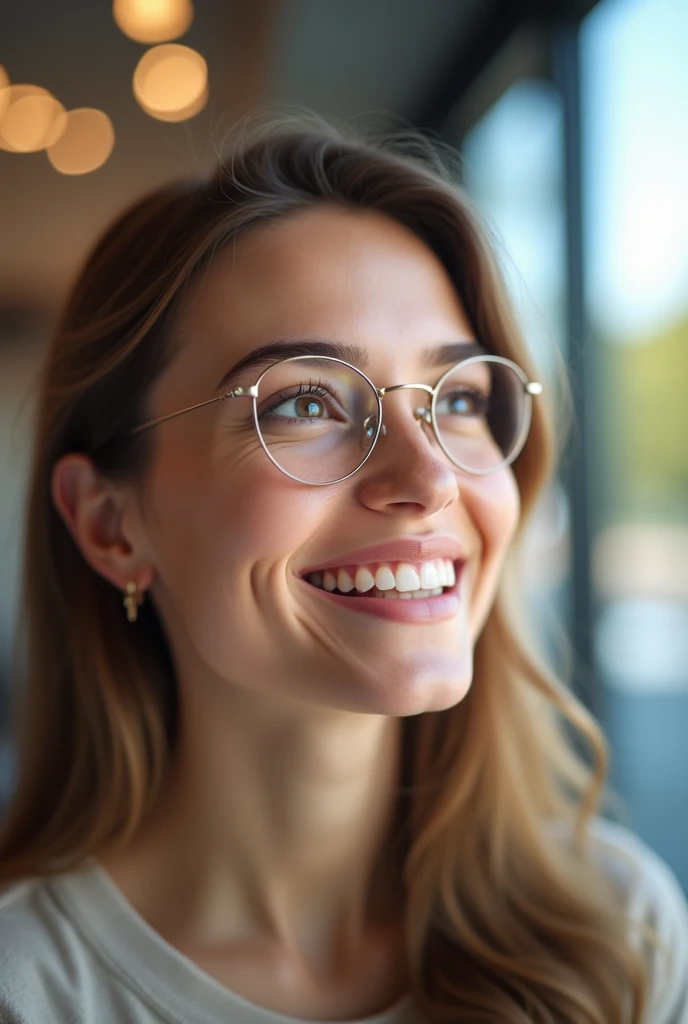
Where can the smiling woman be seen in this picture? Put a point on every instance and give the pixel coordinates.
(285, 749)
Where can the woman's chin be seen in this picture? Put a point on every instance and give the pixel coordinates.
(433, 683)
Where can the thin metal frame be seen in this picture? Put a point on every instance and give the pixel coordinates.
(423, 415)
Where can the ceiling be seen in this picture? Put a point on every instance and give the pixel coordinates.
(341, 59)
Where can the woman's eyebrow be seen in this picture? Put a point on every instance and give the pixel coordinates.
(442, 355)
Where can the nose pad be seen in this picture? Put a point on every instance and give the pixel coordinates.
(420, 414)
(370, 425)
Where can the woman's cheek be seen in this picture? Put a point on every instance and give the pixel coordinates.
(494, 505)
(271, 517)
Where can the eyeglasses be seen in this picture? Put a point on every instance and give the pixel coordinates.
(319, 418)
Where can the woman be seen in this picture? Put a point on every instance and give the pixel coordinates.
(285, 752)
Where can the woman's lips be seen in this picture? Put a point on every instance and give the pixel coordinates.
(416, 610)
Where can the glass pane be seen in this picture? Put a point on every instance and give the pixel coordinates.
(635, 116)
(512, 164)
(513, 169)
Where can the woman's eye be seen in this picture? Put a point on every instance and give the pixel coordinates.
(306, 402)
(463, 403)
(302, 407)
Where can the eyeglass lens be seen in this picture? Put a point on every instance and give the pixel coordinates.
(318, 417)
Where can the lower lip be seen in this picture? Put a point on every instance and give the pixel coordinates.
(417, 609)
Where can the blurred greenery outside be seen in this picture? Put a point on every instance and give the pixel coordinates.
(644, 423)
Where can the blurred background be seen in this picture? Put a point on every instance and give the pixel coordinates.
(571, 119)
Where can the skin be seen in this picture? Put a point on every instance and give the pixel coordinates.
(266, 859)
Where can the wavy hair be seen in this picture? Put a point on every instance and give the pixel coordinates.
(506, 921)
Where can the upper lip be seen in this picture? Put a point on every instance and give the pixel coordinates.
(405, 549)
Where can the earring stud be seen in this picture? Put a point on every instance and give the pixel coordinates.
(132, 600)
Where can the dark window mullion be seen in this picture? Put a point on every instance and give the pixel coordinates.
(575, 471)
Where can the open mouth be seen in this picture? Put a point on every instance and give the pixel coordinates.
(400, 581)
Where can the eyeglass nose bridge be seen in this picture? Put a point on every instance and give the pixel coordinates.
(421, 413)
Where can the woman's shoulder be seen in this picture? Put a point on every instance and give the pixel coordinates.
(635, 870)
(25, 928)
(27, 917)
(651, 893)
(41, 954)
(649, 886)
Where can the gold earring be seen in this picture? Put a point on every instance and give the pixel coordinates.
(132, 601)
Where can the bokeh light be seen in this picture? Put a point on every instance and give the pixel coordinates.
(31, 123)
(11, 95)
(85, 143)
(170, 82)
(153, 21)
(183, 113)
(4, 95)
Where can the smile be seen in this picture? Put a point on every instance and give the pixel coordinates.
(395, 581)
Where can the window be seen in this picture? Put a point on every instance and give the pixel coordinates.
(635, 174)
(512, 162)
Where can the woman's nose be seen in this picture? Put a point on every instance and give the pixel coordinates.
(407, 471)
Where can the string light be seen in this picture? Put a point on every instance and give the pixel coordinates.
(85, 143)
(183, 113)
(11, 95)
(4, 95)
(153, 21)
(171, 82)
(32, 122)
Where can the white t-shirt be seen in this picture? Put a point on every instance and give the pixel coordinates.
(74, 951)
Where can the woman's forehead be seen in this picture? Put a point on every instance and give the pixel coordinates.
(356, 277)
(326, 272)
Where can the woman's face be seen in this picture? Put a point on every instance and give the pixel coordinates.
(230, 537)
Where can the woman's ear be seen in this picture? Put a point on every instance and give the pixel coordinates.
(92, 512)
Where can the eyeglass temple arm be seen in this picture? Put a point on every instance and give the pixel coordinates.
(250, 392)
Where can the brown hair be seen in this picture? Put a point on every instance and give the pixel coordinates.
(506, 920)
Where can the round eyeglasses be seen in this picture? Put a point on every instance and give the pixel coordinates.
(319, 418)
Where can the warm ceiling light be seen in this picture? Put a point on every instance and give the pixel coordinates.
(11, 95)
(170, 82)
(32, 123)
(85, 143)
(183, 114)
(153, 21)
(4, 95)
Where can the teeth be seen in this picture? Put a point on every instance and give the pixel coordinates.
(364, 580)
(329, 580)
(384, 579)
(345, 582)
(429, 576)
(406, 578)
(426, 580)
(391, 595)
